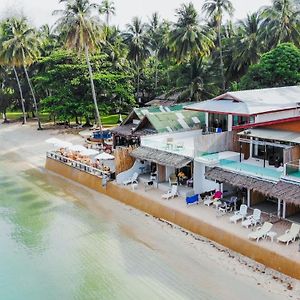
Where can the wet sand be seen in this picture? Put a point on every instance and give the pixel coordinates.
(223, 274)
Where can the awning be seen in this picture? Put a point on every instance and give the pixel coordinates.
(273, 134)
(161, 157)
(241, 181)
(286, 191)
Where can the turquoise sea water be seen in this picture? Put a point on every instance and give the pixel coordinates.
(52, 247)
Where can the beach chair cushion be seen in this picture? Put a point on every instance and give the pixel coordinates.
(192, 199)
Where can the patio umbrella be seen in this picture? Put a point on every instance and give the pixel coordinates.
(77, 148)
(52, 141)
(89, 152)
(104, 156)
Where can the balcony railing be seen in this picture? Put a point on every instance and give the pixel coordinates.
(254, 170)
(292, 169)
(78, 165)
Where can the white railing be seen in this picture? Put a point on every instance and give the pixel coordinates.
(78, 165)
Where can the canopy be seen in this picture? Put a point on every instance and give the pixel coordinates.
(58, 143)
(104, 156)
(77, 148)
(241, 181)
(161, 157)
(89, 152)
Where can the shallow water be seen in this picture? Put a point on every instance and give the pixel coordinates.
(53, 247)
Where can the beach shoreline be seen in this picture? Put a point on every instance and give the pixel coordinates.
(33, 151)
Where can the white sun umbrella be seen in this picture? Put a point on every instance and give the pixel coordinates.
(52, 141)
(89, 152)
(104, 156)
(63, 144)
(77, 148)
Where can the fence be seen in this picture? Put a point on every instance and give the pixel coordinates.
(78, 165)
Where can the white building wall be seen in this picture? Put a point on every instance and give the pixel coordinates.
(277, 115)
(169, 171)
(201, 184)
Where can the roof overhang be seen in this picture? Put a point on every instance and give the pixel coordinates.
(241, 181)
(161, 157)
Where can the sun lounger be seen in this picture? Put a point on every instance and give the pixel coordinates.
(252, 220)
(192, 199)
(239, 215)
(290, 235)
(171, 193)
(261, 232)
(133, 179)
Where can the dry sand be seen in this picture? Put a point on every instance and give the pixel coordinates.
(183, 250)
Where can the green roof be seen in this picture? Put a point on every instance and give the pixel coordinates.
(174, 121)
(142, 111)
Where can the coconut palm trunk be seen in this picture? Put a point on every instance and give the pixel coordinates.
(21, 95)
(221, 56)
(34, 99)
(98, 119)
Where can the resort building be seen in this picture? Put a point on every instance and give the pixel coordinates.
(251, 108)
(251, 150)
(158, 119)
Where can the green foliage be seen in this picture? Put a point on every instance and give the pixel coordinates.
(65, 81)
(279, 67)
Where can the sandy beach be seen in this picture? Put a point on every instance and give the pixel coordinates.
(196, 258)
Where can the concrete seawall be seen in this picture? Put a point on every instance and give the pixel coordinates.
(274, 260)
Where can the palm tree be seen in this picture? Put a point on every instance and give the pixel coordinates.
(248, 44)
(108, 9)
(188, 38)
(81, 28)
(20, 49)
(281, 21)
(138, 45)
(216, 9)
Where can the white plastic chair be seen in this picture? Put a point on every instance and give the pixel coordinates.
(252, 220)
(171, 193)
(261, 232)
(239, 215)
(290, 234)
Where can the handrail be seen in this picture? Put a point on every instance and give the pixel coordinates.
(78, 165)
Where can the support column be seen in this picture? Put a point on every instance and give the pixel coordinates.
(284, 210)
(251, 147)
(206, 121)
(229, 125)
(278, 208)
(248, 197)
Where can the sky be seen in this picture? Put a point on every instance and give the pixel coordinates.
(39, 11)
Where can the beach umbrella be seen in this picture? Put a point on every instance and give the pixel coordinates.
(52, 141)
(62, 144)
(104, 156)
(77, 148)
(89, 152)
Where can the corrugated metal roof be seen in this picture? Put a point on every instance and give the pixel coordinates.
(141, 112)
(251, 102)
(163, 122)
(273, 134)
(161, 157)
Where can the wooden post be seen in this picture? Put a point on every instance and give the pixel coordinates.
(248, 197)
(284, 210)
(279, 208)
(265, 153)
(240, 152)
